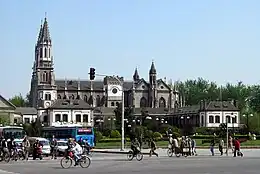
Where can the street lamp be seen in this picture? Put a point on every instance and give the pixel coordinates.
(247, 120)
(111, 120)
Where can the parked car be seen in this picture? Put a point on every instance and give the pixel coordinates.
(46, 149)
(62, 146)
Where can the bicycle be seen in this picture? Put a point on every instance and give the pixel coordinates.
(68, 159)
(131, 155)
(175, 151)
(5, 156)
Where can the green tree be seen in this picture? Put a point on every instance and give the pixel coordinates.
(19, 101)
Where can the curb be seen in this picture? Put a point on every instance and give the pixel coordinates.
(146, 153)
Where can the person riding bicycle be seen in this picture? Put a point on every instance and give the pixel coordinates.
(84, 144)
(4, 146)
(12, 146)
(77, 151)
(134, 146)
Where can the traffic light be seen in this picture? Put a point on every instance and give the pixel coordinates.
(92, 73)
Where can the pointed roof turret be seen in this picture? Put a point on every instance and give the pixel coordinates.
(40, 33)
(152, 69)
(44, 35)
(136, 75)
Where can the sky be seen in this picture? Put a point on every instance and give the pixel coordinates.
(217, 40)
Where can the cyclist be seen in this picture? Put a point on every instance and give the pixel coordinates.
(134, 146)
(12, 147)
(4, 145)
(77, 150)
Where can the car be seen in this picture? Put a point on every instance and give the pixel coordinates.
(62, 146)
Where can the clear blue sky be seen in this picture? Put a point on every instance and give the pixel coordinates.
(215, 39)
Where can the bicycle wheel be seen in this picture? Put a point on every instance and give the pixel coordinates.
(130, 156)
(169, 152)
(139, 156)
(7, 157)
(66, 162)
(84, 162)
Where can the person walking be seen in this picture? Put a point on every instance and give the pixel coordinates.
(54, 147)
(212, 144)
(220, 146)
(26, 148)
(153, 148)
(237, 148)
(193, 147)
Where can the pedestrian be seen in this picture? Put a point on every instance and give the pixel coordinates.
(220, 146)
(237, 148)
(25, 148)
(54, 147)
(212, 144)
(153, 148)
(193, 147)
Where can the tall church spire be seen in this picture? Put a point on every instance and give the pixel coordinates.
(44, 35)
(152, 69)
(136, 75)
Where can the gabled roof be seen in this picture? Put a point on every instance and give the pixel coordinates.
(161, 81)
(216, 106)
(70, 104)
(140, 81)
(9, 105)
(26, 110)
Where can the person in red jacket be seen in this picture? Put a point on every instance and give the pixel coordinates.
(236, 147)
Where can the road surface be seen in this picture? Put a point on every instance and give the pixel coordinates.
(117, 164)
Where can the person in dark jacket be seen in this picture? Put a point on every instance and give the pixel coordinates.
(54, 147)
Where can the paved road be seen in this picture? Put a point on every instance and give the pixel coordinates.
(117, 164)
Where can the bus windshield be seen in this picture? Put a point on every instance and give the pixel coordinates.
(15, 133)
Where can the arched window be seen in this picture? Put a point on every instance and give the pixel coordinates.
(57, 117)
(46, 76)
(64, 97)
(46, 96)
(117, 104)
(49, 52)
(162, 102)
(211, 119)
(98, 101)
(65, 117)
(78, 118)
(228, 119)
(45, 52)
(85, 98)
(78, 97)
(143, 102)
(45, 119)
(217, 119)
(234, 119)
(49, 96)
(85, 118)
(40, 52)
(112, 103)
(59, 96)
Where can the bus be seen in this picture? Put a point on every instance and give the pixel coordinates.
(15, 132)
(75, 131)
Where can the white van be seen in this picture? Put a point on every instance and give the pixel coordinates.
(46, 150)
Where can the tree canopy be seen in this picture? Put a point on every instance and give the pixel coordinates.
(20, 101)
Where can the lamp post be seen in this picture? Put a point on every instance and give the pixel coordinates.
(111, 121)
(247, 120)
(183, 118)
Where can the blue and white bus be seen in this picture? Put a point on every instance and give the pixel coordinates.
(66, 131)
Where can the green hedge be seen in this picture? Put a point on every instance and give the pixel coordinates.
(212, 136)
(109, 140)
